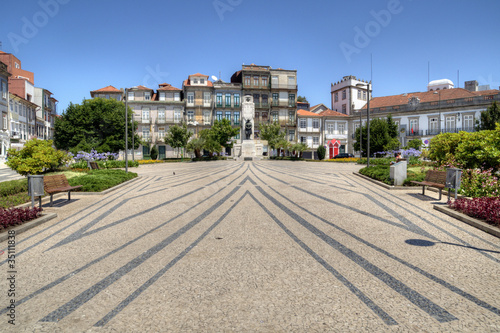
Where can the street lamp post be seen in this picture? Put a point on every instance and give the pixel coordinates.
(367, 120)
(360, 133)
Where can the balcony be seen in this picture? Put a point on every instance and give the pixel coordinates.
(262, 105)
(289, 104)
(450, 130)
(145, 121)
(414, 132)
(284, 86)
(15, 135)
(161, 120)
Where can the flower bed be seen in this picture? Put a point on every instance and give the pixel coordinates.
(484, 208)
(344, 160)
(13, 216)
(150, 161)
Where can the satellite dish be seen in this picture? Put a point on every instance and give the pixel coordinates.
(214, 77)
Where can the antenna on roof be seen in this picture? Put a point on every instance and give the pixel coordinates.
(458, 78)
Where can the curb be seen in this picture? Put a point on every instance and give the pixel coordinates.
(469, 220)
(26, 226)
(384, 185)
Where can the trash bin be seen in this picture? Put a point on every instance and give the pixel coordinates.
(35, 188)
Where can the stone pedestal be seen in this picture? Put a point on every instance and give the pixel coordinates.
(249, 150)
(398, 172)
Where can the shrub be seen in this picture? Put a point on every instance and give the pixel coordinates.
(13, 187)
(379, 172)
(483, 208)
(415, 144)
(110, 164)
(13, 216)
(154, 153)
(100, 180)
(36, 157)
(476, 183)
(321, 152)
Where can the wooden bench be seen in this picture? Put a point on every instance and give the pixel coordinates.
(56, 184)
(433, 178)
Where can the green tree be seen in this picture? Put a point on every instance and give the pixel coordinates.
(272, 133)
(154, 153)
(178, 136)
(299, 148)
(383, 134)
(302, 99)
(196, 145)
(489, 118)
(222, 132)
(283, 145)
(36, 157)
(321, 152)
(95, 124)
(210, 142)
(415, 144)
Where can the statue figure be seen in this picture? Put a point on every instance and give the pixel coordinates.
(248, 129)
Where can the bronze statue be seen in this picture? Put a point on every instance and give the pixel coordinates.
(248, 129)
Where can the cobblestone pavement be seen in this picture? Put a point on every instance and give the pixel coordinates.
(7, 174)
(253, 246)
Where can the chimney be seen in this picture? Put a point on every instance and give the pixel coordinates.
(471, 85)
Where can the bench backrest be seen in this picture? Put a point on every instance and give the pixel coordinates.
(94, 165)
(435, 176)
(55, 181)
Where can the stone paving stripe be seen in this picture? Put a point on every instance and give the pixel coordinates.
(88, 294)
(441, 229)
(386, 318)
(60, 230)
(160, 273)
(413, 296)
(95, 261)
(430, 276)
(408, 225)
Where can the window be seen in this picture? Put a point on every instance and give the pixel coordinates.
(177, 97)
(344, 108)
(303, 123)
(228, 100)
(236, 118)
(275, 98)
(341, 128)
(291, 135)
(190, 115)
(274, 81)
(162, 95)
(275, 117)
(218, 115)
(16, 65)
(264, 117)
(4, 122)
(145, 133)
(450, 123)
(161, 132)
(256, 80)
(177, 115)
(237, 136)
(315, 140)
(413, 126)
(315, 123)
(344, 94)
(264, 81)
(468, 123)
(330, 128)
(228, 115)
(202, 81)
(364, 95)
(219, 99)
(206, 98)
(236, 98)
(303, 139)
(359, 94)
(161, 114)
(145, 114)
(264, 101)
(291, 100)
(190, 98)
(291, 82)
(147, 96)
(336, 97)
(195, 81)
(433, 125)
(130, 95)
(206, 117)
(247, 80)
(291, 117)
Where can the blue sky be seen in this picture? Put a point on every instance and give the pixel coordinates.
(76, 46)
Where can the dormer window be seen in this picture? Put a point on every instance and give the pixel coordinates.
(147, 96)
(195, 81)
(202, 81)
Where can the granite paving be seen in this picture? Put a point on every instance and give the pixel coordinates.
(267, 246)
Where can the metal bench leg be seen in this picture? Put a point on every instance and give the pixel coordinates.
(423, 190)
(440, 192)
(51, 203)
(69, 195)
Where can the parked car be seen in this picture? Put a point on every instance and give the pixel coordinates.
(343, 155)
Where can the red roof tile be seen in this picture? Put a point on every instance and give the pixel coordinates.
(198, 74)
(188, 84)
(307, 113)
(107, 89)
(166, 86)
(329, 112)
(140, 87)
(428, 96)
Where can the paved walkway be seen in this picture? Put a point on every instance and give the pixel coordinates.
(7, 173)
(264, 246)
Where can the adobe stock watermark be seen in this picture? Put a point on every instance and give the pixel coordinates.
(222, 6)
(489, 81)
(156, 75)
(30, 28)
(372, 29)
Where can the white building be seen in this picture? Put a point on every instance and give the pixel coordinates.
(4, 110)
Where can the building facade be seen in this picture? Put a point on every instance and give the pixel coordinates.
(4, 110)
(22, 114)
